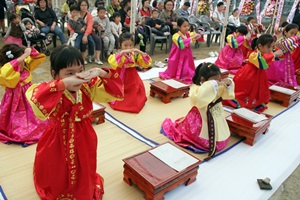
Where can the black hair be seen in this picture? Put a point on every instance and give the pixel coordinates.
(74, 7)
(283, 24)
(13, 16)
(15, 50)
(64, 56)
(125, 36)
(264, 39)
(181, 20)
(290, 27)
(38, 3)
(220, 4)
(250, 18)
(154, 10)
(154, 4)
(124, 2)
(71, 2)
(205, 70)
(235, 10)
(99, 2)
(116, 14)
(101, 8)
(242, 29)
(81, 1)
(165, 3)
(143, 2)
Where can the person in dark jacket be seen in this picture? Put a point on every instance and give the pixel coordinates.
(2, 15)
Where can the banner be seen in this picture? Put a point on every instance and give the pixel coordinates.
(262, 14)
(241, 6)
(248, 8)
(279, 13)
(292, 13)
(257, 8)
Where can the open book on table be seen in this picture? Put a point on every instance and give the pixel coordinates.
(249, 115)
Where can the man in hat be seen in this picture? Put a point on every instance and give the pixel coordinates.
(183, 11)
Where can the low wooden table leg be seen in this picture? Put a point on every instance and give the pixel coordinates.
(193, 178)
(166, 99)
(153, 197)
(152, 94)
(127, 179)
(249, 141)
(186, 94)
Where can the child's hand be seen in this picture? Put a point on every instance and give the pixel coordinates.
(27, 51)
(73, 83)
(139, 52)
(127, 51)
(225, 82)
(278, 53)
(92, 73)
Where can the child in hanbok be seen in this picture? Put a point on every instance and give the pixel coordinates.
(66, 155)
(204, 128)
(125, 62)
(283, 71)
(15, 30)
(18, 123)
(251, 82)
(231, 56)
(181, 64)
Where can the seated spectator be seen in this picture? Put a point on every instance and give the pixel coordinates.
(218, 14)
(157, 26)
(145, 11)
(47, 20)
(98, 3)
(234, 20)
(102, 25)
(168, 16)
(113, 7)
(116, 27)
(183, 11)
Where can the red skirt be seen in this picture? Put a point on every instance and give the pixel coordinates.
(134, 93)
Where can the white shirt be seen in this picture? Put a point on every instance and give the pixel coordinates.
(234, 20)
(218, 15)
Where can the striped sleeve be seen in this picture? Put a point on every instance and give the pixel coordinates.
(179, 41)
(235, 42)
(260, 61)
(288, 44)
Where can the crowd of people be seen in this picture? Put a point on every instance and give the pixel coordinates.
(57, 114)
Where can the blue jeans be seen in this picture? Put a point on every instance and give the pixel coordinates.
(57, 31)
(83, 47)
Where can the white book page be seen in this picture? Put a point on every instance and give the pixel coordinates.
(282, 90)
(97, 106)
(250, 115)
(174, 83)
(223, 70)
(173, 157)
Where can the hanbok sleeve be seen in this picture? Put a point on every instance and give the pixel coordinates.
(180, 42)
(106, 89)
(38, 96)
(34, 60)
(116, 60)
(261, 61)
(10, 74)
(288, 44)
(227, 92)
(144, 61)
(202, 95)
(235, 42)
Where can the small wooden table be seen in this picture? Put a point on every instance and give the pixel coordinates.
(98, 113)
(285, 99)
(167, 92)
(298, 78)
(247, 129)
(154, 177)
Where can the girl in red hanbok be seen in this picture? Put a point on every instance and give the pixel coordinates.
(125, 62)
(251, 82)
(17, 121)
(231, 56)
(66, 154)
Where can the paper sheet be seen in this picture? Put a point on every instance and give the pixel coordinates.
(173, 157)
(282, 90)
(97, 106)
(174, 83)
(250, 115)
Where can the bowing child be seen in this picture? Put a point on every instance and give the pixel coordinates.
(66, 155)
(251, 81)
(181, 64)
(231, 56)
(204, 128)
(125, 62)
(18, 123)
